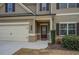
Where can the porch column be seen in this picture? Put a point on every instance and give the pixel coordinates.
(34, 30)
(50, 24)
(52, 33)
(51, 27)
(34, 26)
(33, 34)
(50, 30)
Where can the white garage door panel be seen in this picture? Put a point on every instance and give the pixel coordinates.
(4, 33)
(14, 32)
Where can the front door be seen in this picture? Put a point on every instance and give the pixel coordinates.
(44, 32)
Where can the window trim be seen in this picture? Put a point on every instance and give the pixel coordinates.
(67, 27)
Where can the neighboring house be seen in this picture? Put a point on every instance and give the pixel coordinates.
(34, 21)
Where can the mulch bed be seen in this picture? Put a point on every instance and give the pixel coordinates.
(55, 49)
(54, 46)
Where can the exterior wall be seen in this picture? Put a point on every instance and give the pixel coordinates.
(1, 5)
(31, 6)
(18, 9)
(64, 18)
(35, 8)
(18, 19)
(53, 10)
(65, 10)
(32, 37)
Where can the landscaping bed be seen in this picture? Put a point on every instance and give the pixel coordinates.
(25, 51)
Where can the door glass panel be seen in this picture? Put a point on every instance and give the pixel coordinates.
(44, 30)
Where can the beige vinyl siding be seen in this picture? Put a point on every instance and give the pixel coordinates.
(64, 10)
(35, 8)
(17, 19)
(18, 9)
(65, 18)
(31, 6)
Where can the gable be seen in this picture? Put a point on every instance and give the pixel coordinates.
(18, 9)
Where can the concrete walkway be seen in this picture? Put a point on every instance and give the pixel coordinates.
(9, 47)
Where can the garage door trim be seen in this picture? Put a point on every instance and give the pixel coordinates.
(16, 23)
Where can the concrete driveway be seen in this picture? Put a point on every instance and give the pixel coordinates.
(9, 47)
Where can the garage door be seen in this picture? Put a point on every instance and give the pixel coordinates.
(14, 31)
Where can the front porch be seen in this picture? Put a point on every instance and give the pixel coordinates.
(42, 26)
(42, 30)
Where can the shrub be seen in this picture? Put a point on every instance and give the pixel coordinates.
(53, 36)
(71, 42)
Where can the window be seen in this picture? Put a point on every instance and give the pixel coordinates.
(44, 6)
(62, 5)
(63, 29)
(72, 5)
(9, 7)
(68, 5)
(67, 29)
(71, 29)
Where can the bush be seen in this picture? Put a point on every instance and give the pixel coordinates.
(71, 42)
(53, 36)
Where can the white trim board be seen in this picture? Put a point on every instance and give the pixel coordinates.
(14, 23)
(67, 14)
(66, 22)
(44, 24)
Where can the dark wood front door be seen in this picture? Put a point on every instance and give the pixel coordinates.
(44, 32)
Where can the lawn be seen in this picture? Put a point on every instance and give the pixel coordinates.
(25, 51)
